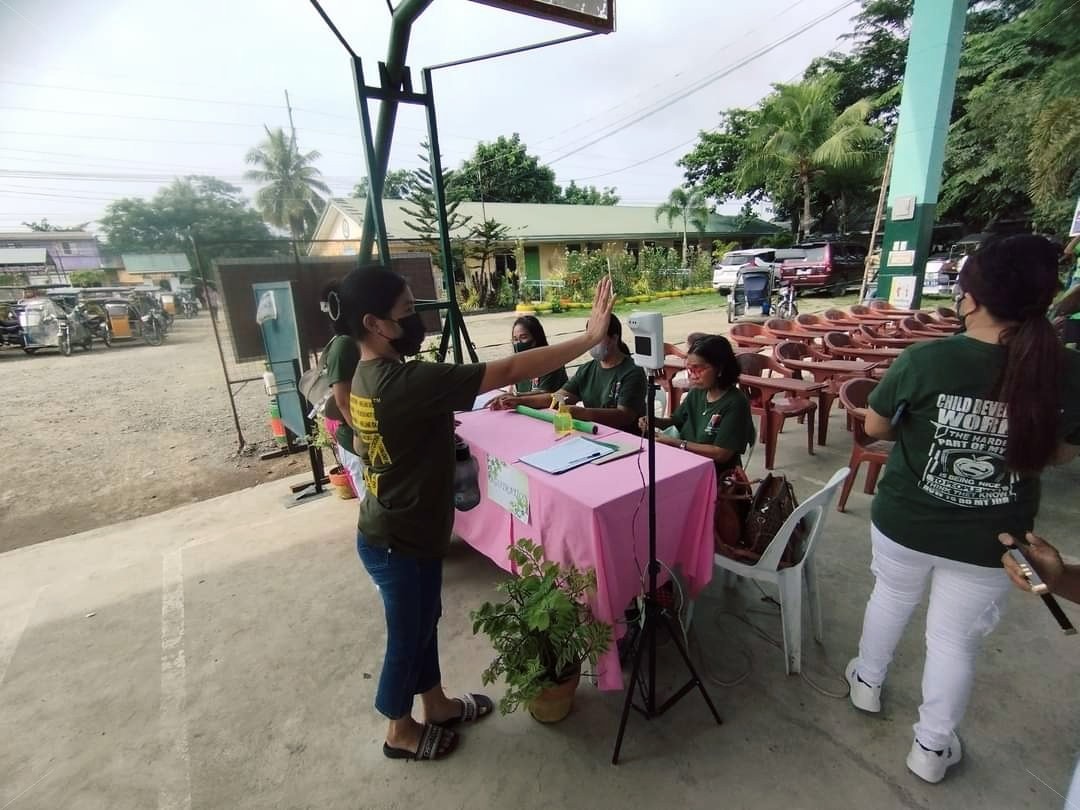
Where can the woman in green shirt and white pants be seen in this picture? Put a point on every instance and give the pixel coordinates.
(976, 418)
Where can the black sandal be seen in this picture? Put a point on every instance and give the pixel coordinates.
(473, 709)
(429, 747)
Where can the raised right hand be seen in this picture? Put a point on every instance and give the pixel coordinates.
(603, 303)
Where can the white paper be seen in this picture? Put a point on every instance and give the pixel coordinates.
(566, 455)
(482, 400)
(267, 310)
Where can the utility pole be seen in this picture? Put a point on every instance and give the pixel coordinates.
(292, 126)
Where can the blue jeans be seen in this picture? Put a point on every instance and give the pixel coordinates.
(411, 591)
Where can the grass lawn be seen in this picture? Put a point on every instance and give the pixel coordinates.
(810, 303)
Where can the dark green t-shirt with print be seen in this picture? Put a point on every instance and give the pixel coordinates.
(599, 387)
(403, 414)
(946, 489)
(726, 423)
(340, 360)
(550, 382)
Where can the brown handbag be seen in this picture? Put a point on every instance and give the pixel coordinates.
(771, 505)
(733, 495)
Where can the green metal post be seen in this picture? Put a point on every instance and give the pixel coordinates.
(937, 32)
(373, 218)
(439, 192)
(400, 29)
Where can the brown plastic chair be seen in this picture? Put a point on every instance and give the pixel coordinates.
(914, 328)
(744, 333)
(945, 312)
(783, 406)
(837, 315)
(795, 350)
(855, 394)
(836, 342)
(925, 317)
(779, 324)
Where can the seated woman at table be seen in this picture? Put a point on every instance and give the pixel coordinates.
(610, 387)
(403, 413)
(528, 333)
(714, 418)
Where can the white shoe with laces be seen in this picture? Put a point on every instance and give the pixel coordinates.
(931, 765)
(863, 696)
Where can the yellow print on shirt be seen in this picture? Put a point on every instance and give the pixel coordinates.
(366, 425)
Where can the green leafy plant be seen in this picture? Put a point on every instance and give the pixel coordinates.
(320, 438)
(544, 630)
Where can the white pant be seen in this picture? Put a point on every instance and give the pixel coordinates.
(354, 467)
(965, 606)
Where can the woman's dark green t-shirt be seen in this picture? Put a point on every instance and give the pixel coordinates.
(726, 423)
(946, 490)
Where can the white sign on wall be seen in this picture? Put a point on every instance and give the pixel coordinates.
(902, 292)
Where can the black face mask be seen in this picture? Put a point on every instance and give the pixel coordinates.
(522, 346)
(412, 335)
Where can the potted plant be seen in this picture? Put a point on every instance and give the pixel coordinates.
(542, 633)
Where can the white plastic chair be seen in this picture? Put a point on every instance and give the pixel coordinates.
(789, 581)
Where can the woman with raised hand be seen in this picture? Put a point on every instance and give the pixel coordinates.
(403, 415)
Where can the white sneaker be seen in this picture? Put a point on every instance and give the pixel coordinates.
(863, 696)
(931, 765)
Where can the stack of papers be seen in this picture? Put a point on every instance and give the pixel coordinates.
(567, 454)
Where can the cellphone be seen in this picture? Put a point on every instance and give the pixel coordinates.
(901, 412)
(1033, 579)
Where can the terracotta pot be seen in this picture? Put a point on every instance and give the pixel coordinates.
(554, 704)
(339, 480)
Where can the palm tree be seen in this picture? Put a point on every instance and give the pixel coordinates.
(688, 205)
(800, 135)
(290, 195)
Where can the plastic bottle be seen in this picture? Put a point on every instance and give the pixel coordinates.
(277, 427)
(564, 423)
(466, 480)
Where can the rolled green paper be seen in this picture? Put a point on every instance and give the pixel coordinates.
(549, 416)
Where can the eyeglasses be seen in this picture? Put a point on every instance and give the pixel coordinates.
(695, 369)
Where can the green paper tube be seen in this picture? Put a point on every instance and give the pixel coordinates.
(549, 416)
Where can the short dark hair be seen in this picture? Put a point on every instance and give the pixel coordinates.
(614, 329)
(534, 328)
(368, 290)
(717, 352)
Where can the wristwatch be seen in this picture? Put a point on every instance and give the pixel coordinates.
(682, 445)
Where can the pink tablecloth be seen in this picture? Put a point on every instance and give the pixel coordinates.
(596, 515)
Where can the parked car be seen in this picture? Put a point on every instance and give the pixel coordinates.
(725, 273)
(941, 273)
(826, 265)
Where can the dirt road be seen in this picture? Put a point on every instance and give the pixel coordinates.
(117, 433)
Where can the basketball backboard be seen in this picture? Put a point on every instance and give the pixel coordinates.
(595, 15)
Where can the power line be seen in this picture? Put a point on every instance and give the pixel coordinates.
(671, 78)
(699, 85)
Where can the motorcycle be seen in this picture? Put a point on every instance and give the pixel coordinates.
(191, 309)
(96, 323)
(786, 307)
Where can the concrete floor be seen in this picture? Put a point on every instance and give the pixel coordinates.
(224, 655)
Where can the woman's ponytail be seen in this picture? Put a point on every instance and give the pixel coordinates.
(1015, 279)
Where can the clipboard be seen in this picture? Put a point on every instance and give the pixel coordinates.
(618, 451)
(568, 455)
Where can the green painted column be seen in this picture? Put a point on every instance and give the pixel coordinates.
(937, 33)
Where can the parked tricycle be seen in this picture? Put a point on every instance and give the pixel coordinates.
(47, 325)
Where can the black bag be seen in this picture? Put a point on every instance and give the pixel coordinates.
(314, 386)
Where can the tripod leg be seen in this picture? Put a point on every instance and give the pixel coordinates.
(460, 321)
(676, 634)
(639, 649)
(444, 344)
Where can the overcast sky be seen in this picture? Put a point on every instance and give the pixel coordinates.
(103, 99)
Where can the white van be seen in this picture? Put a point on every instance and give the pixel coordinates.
(725, 272)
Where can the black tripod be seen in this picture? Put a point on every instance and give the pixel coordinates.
(654, 615)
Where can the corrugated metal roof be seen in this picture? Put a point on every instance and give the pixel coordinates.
(156, 262)
(38, 236)
(32, 256)
(539, 222)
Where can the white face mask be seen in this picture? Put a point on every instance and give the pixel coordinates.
(601, 351)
